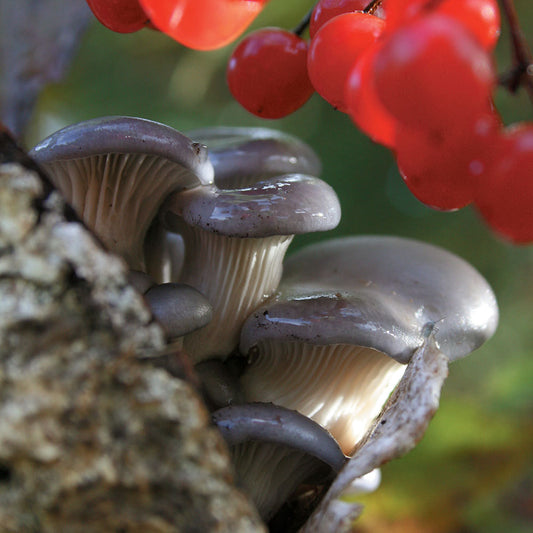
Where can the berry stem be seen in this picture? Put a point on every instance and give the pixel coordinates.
(304, 23)
(372, 6)
(522, 72)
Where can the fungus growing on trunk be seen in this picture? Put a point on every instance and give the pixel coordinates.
(349, 315)
(117, 171)
(235, 241)
(275, 450)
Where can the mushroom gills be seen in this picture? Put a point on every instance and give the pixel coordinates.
(126, 188)
(275, 450)
(270, 473)
(342, 387)
(243, 273)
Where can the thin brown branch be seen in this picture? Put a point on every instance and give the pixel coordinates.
(372, 6)
(522, 72)
(304, 23)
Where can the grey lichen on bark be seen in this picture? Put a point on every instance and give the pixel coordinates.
(92, 436)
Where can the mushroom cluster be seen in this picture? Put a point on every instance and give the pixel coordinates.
(298, 359)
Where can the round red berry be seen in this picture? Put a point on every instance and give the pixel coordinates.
(505, 197)
(364, 106)
(267, 73)
(335, 49)
(432, 74)
(122, 16)
(202, 24)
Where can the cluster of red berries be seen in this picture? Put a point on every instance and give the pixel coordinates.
(414, 75)
(198, 24)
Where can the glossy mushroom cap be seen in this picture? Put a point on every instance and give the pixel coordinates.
(243, 156)
(275, 450)
(179, 308)
(349, 315)
(235, 241)
(116, 172)
(386, 293)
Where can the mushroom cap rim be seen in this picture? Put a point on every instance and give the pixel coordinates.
(290, 204)
(125, 135)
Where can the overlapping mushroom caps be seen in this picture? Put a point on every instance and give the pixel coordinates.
(117, 171)
(244, 156)
(236, 238)
(349, 315)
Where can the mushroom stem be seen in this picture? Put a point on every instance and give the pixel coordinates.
(244, 272)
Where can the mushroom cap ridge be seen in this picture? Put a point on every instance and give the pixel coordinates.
(386, 293)
(243, 156)
(283, 205)
(267, 422)
(117, 134)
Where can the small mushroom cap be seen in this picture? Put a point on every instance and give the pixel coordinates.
(127, 135)
(244, 156)
(271, 423)
(179, 308)
(284, 205)
(386, 293)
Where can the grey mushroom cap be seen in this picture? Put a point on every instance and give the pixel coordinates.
(386, 293)
(179, 308)
(271, 423)
(117, 134)
(244, 156)
(117, 171)
(285, 205)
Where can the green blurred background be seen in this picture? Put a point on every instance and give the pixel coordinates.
(473, 471)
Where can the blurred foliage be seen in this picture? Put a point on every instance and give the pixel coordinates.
(473, 472)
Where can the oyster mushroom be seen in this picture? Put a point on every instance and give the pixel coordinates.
(117, 171)
(235, 241)
(243, 156)
(275, 450)
(349, 315)
(179, 308)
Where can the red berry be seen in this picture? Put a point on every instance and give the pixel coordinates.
(335, 49)
(505, 198)
(431, 74)
(267, 73)
(400, 12)
(364, 107)
(479, 17)
(122, 16)
(327, 9)
(444, 172)
(202, 24)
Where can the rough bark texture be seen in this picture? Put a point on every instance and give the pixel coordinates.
(92, 436)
